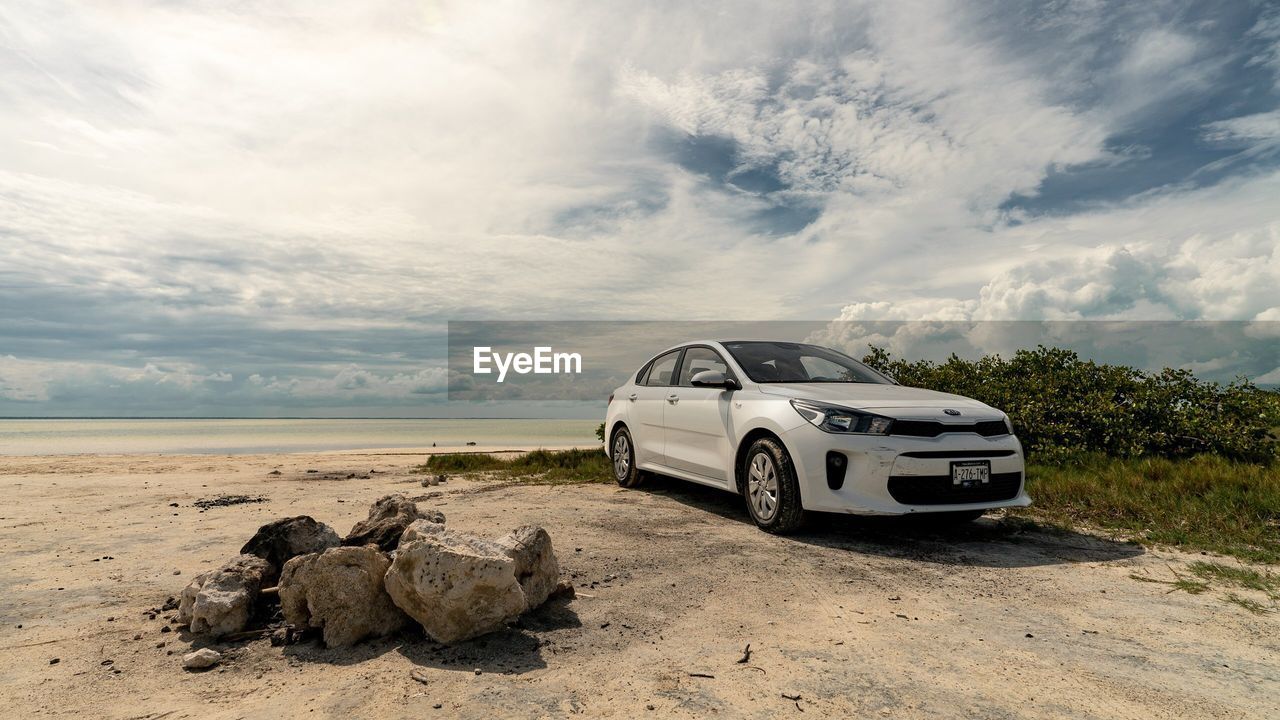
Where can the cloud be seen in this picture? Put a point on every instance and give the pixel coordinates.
(306, 194)
(1263, 127)
(1205, 254)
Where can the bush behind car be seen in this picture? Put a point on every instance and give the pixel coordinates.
(1064, 408)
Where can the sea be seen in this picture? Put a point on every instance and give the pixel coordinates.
(245, 436)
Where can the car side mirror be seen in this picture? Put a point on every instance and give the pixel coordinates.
(712, 378)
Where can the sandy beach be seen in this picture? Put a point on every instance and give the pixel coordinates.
(851, 619)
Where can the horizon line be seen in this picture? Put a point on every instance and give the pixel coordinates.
(274, 417)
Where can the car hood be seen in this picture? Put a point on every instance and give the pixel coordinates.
(891, 400)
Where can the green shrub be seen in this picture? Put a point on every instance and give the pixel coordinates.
(1063, 407)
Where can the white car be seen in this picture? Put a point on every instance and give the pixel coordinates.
(796, 428)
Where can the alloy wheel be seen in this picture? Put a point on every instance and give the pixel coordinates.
(762, 486)
(621, 456)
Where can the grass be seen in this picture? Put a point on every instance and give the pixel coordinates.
(1241, 577)
(542, 467)
(1252, 606)
(1204, 503)
(1212, 574)
(1187, 585)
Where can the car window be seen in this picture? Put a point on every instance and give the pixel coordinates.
(766, 362)
(662, 370)
(820, 369)
(643, 375)
(698, 359)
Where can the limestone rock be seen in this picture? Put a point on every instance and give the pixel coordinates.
(456, 585)
(341, 591)
(418, 528)
(220, 602)
(201, 659)
(388, 517)
(536, 567)
(278, 541)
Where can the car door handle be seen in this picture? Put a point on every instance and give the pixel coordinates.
(673, 398)
(632, 397)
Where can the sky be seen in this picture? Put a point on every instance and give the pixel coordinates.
(245, 208)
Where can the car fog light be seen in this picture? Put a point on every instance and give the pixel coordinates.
(836, 465)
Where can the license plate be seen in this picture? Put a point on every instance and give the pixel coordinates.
(971, 473)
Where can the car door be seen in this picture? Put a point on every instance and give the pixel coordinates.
(648, 403)
(697, 419)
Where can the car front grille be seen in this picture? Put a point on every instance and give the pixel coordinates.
(939, 490)
(931, 428)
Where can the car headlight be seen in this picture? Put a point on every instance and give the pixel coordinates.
(836, 419)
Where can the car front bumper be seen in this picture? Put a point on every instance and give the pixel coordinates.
(897, 475)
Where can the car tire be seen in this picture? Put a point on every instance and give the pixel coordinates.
(624, 460)
(770, 488)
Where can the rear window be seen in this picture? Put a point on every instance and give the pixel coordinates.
(662, 369)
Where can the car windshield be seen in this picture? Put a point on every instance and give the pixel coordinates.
(783, 362)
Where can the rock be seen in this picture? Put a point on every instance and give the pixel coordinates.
(418, 528)
(281, 636)
(201, 659)
(536, 567)
(564, 589)
(340, 591)
(388, 517)
(278, 541)
(220, 602)
(457, 586)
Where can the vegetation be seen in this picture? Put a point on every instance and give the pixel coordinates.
(1217, 574)
(1240, 577)
(1065, 408)
(543, 467)
(1202, 503)
(1187, 585)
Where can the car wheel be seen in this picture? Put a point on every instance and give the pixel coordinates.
(624, 460)
(770, 488)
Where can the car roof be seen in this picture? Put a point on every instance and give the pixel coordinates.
(708, 341)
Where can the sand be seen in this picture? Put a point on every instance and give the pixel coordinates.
(855, 618)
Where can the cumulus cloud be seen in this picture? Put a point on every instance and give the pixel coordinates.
(1202, 255)
(306, 195)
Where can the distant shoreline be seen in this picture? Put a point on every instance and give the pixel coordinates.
(273, 417)
(252, 436)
